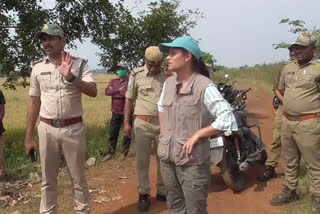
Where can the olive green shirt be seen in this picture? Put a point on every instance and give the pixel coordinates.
(60, 99)
(301, 88)
(144, 89)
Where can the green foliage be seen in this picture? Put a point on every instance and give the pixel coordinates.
(298, 26)
(161, 22)
(112, 27)
(209, 60)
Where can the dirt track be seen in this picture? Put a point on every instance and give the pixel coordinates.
(254, 199)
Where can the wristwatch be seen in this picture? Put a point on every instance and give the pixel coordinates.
(71, 79)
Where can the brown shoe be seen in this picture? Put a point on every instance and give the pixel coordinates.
(285, 197)
(315, 204)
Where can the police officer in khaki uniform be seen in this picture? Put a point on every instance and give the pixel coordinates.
(56, 85)
(275, 147)
(300, 130)
(144, 90)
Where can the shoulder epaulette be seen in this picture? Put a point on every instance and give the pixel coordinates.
(137, 70)
(79, 58)
(36, 62)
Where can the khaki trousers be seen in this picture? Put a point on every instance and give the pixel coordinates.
(3, 170)
(145, 134)
(275, 147)
(71, 142)
(187, 187)
(301, 138)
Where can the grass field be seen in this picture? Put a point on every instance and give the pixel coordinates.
(97, 113)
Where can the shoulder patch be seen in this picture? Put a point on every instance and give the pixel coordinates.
(138, 70)
(36, 62)
(287, 62)
(79, 58)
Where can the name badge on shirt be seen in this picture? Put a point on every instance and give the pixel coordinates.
(45, 73)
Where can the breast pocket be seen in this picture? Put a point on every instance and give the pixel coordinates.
(307, 81)
(46, 81)
(145, 90)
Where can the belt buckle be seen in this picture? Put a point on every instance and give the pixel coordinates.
(57, 123)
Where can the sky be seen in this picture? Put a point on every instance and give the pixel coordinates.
(236, 32)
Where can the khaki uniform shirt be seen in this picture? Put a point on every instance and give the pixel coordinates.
(278, 75)
(301, 86)
(144, 90)
(60, 99)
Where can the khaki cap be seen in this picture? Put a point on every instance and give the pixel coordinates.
(122, 65)
(305, 39)
(50, 29)
(153, 54)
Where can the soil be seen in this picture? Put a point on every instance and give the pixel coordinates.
(119, 180)
(254, 199)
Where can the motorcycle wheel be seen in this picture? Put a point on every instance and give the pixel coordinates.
(231, 174)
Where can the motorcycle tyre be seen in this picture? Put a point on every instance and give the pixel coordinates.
(236, 185)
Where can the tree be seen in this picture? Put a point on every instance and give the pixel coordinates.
(161, 22)
(21, 19)
(209, 60)
(112, 27)
(298, 26)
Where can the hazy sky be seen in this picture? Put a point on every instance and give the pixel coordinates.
(236, 32)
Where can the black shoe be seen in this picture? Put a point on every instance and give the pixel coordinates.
(268, 174)
(144, 203)
(162, 198)
(285, 197)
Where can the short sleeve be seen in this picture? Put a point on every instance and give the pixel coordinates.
(87, 75)
(277, 79)
(132, 90)
(34, 85)
(281, 85)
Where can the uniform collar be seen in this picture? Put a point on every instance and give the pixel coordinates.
(312, 61)
(145, 72)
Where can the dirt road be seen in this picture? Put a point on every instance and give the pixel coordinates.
(254, 199)
(119, 181)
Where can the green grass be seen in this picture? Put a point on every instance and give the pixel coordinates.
(97, 114)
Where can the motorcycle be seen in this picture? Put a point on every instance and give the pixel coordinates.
(234, 152)
(237, 98)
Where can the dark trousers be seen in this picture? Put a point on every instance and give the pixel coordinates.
(115, 126)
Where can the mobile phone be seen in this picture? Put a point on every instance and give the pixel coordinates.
(33, 155)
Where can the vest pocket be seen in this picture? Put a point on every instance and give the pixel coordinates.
(179, 156)
(163, 147)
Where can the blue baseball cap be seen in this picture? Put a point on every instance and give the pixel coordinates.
(187, 43)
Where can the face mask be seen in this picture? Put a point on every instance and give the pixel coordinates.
(122, 73)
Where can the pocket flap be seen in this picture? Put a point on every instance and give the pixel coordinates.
(164, 139)
(144, 87)
(181, 141)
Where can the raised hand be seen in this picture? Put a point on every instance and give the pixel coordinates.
(65, 66)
